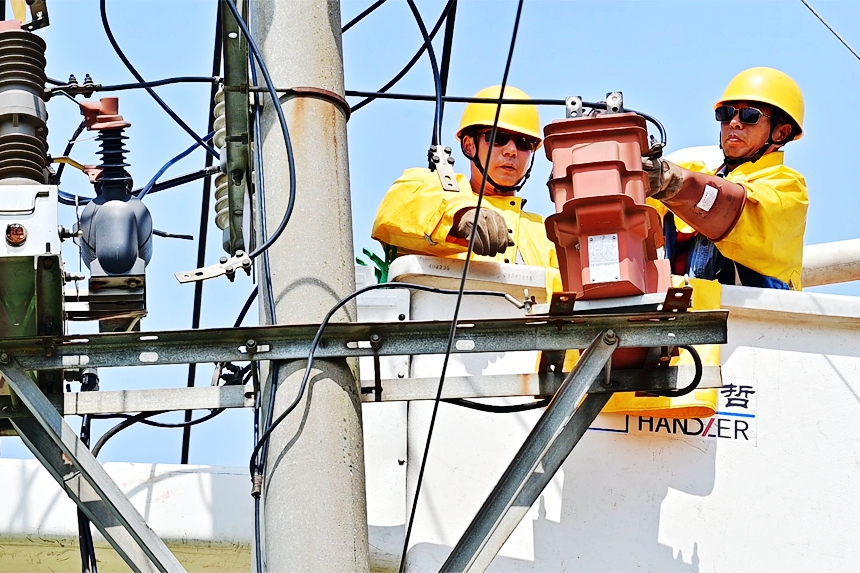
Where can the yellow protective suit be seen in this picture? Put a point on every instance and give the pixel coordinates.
(416, 216)
(768, 237)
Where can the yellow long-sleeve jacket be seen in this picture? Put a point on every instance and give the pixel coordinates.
(416, 216)
(768, 237)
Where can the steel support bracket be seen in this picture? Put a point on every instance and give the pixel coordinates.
(236, 110)
(84, 479)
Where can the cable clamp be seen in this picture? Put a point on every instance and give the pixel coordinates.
(311, 92)
(443, 164)
(225, 266)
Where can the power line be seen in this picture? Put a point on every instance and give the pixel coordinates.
(452, 333)
(361, 16)
(829, 27)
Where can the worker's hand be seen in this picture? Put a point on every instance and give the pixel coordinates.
(664, 178)
(491, 236)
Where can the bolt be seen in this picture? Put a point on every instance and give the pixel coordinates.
(223, 260)
(251, 345)
(609, 337)
(4, 358)
(375, 340)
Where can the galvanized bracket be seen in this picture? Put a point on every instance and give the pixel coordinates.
(84, 479)
(441, 161)
(568, 416)
(236, 109)
(226, 266)
(614, 102)
(573, 106)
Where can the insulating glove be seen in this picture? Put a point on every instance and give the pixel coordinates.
(491, 236)
(664, 177)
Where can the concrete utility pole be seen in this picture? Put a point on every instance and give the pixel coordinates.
(315, 512)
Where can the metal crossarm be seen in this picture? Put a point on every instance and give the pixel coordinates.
(84, 479)
(353, 339)
(568, 416)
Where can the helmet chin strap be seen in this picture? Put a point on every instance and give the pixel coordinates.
(733, 162)
(502, 188)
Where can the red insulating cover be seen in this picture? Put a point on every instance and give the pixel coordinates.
(607, 237)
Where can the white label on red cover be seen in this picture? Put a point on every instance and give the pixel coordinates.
(603, 263)
(708, 198)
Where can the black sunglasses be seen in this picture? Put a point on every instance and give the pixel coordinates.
(522, 142)
(748, 115)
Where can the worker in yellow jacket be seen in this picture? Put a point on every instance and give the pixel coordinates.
(743, 223)
(419, 216)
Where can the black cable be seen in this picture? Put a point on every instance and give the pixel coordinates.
(155, 83)
(437, 78)
(181, 180)
(447, 48)
(318, 336)
(246, 308)
(461, 290)
(167, 235)
(52, 81)
(361, 16)
(150, 91)
(142, 418)
(373, 95)
(829, 27)
(85, 534)
(203, 231)
(72, 140)
(270, 312)
(464, 99)
(697, 377)
(291, 162)
(496, 409)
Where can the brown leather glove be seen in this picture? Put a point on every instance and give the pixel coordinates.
(664, 177)
(491, 237)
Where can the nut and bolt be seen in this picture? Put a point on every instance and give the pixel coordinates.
(4, 358)
(609, 337)
(375, 340)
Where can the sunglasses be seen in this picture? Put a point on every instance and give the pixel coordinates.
(747, 115)
(522, 142)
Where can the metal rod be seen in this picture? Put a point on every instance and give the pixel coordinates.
(85, 480)
(547, 446)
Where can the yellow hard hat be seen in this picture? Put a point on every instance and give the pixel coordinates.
(770, 86)
(517, 118)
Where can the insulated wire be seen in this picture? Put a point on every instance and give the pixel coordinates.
(437, 79)
(829, 27)
(148, 187)
(72, 140)
(318, 336)
(197, 306)
(469, 250)
(139, 78)
(155, 83)
(373, 95)
(447, 46)
(361, 16)
(85, 534)
(291, 162)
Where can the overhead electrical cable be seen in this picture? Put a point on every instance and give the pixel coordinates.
(139, 78)
(447, 46)
(829, 27)
(373, 95)
(318, 336)
(157, 83)
(361, 16)
(71, 144)
(203, 228)
(148, 187)
(453, 331)
(437, 78)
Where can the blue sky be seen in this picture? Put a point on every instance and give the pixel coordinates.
(671, 59)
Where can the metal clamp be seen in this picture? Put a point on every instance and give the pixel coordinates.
(225, 266)
(573, 106)
(614, 102)
(442, 162)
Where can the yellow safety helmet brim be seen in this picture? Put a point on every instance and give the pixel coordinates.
(771, 87)
(516, 118)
